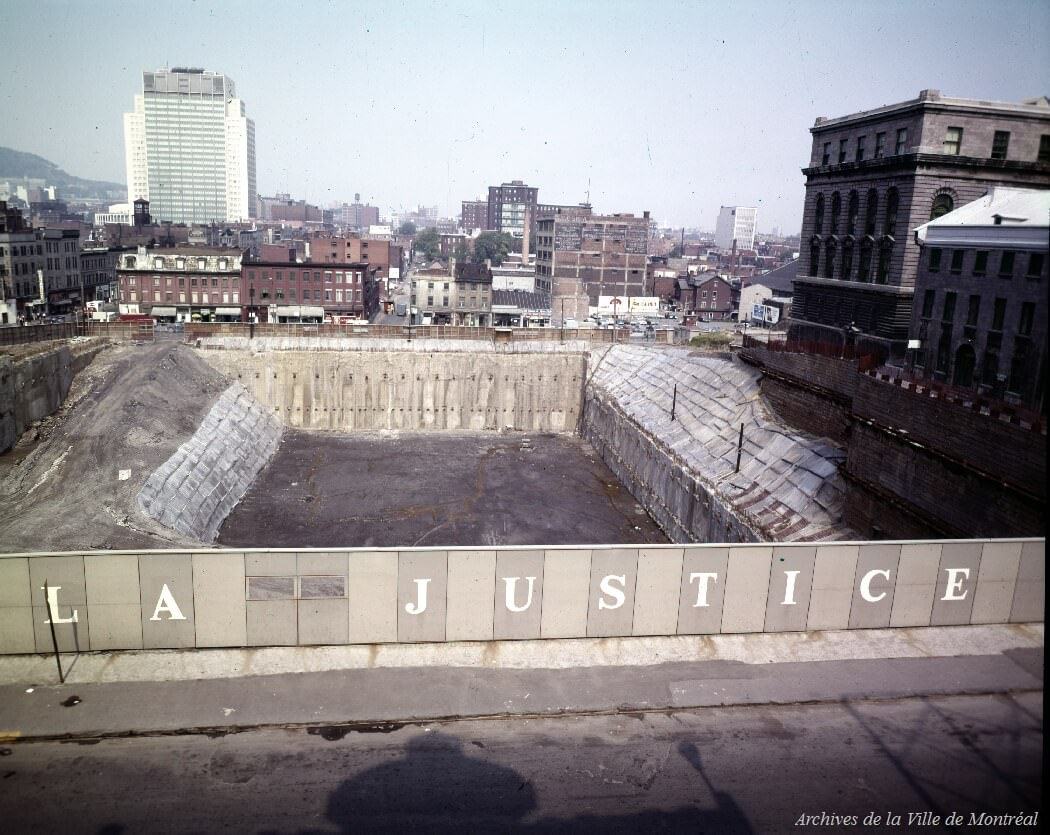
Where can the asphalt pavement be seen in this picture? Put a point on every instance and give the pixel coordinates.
(222, 691)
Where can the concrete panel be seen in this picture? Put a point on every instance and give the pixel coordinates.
(218, 597)
(747, 588)
(956, 583)
(332, 563)
(166, 588)
(372, 597)
(65, 575)
(876, 577)
(834, 571)
(259, 564)
(116, 626)
(701, 598)
(324, 621)
(657, 590)
(14, 583)
(16, 629)
(112, 587)
(790, 584)
(272, 623)
(422, 578)
(916, 584)
(567, 580)
(471, 587)
(1029, 594)
(996, 582)
(613, 575)
(518, 603)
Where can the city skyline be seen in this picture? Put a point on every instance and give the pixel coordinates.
(675, 108)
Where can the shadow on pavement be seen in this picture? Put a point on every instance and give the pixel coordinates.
(435, 788)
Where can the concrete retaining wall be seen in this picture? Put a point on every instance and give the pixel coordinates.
(33, 388)
(195, 489)
(105, 601)
(412, 390)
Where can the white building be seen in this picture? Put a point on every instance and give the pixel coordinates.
(736, 223)
(190, 148)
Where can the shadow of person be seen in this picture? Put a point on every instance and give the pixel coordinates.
(433, 788)
(727, 816)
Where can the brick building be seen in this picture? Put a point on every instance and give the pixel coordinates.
(474, 214)
(981, 293)
(308, 291)
(181, 284)
(585, 256)
(510, 205)
(354, 249)
(876, 175)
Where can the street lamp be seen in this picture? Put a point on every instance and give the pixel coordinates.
(251, 312)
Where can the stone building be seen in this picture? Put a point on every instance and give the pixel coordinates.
(584, 256)
(980, 316)
(876, 175)
(460, 295)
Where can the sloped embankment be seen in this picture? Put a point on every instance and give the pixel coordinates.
(195, 489)
(682, 470)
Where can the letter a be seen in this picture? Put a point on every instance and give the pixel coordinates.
(617, 593)
(166, 603)
(511, 583)
(420, 605)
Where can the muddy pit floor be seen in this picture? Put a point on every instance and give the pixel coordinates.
(435, 489)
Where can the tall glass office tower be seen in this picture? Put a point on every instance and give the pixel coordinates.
(190, 149)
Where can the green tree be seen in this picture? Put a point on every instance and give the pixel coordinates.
(407, 228)
(493, 245)
(427, 244)
(462, 253)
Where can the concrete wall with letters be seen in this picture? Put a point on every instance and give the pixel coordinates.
(181, 599)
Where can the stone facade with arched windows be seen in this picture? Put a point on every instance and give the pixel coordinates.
(897, 167)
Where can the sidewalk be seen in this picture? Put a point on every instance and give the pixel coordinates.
(220, 691)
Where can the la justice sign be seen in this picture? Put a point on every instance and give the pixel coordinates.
(612, 587)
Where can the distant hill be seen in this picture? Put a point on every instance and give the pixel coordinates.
(17, 165)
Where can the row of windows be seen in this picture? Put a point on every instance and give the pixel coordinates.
(952, 146)
(849, 227)
(351, 277)
(1025, 319)
(1007, 260)
(842, 267)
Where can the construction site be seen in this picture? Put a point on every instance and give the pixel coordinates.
(178, 440)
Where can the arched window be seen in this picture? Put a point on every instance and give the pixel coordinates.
(889, 225)
(814, 258)
(942, 204)
(836, 210)
(818, 222)
(883, 271)
(847, 261)
(864, 268)
(873, 210)
(852, 213)
(829, 260)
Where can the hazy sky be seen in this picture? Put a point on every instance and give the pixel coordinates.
(674, 107)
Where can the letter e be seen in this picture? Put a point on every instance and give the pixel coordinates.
(955, 583)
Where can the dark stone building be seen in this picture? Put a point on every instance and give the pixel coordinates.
(979, 321)
(876, 175)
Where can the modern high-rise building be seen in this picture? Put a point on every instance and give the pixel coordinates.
(736, 223)
(510, 206)
(190, 148)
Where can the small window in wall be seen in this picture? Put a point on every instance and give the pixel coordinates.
(928, 299)
(957, 260)
(860, 148)
(818, 222)
(953, 141)
(1035, 265)
(902, 141)
(1006, 264)
(826, 158)
(1044, 150)
(980, 262)
(998, 314)
(271, 588)
(842, 150)
(948, 313)
(1024, 325)
(973, 310)
(1000, 143)
(880, 145)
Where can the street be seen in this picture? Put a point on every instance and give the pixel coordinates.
(739, 769)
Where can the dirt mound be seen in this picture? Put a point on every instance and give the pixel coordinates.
(70, 483)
